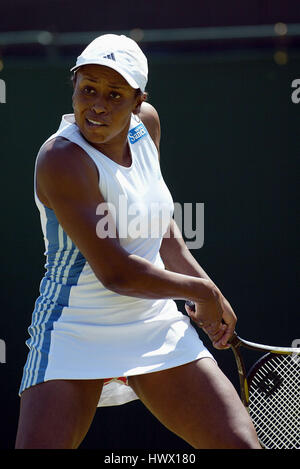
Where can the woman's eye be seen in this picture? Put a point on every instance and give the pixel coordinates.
(115, 95)
(88, 90)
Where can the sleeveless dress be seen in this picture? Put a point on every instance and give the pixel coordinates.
(79, 328)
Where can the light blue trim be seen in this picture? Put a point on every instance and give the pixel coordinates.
(64, 266)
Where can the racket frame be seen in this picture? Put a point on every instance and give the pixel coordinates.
(235, 343)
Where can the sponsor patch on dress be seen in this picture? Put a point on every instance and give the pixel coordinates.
(137, 133)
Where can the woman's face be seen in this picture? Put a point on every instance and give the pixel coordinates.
(103, 102)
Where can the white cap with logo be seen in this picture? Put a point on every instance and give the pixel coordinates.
(120, 53)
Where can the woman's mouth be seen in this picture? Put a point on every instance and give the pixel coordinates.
(95, 123)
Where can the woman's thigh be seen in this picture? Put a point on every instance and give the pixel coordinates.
(57, 414)
(198, 403)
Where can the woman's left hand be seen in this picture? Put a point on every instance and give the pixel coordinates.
(229, 319)
(226, 329)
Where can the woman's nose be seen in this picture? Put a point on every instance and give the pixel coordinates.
(99, 106)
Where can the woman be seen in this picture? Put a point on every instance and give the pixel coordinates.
(106, 306)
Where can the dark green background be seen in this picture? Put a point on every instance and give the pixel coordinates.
(230, 139)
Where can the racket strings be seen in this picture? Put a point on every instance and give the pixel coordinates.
(270, 426)
(274, 402)
(274, 430)
(273, 435)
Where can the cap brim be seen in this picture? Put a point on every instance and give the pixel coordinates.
(111, 64)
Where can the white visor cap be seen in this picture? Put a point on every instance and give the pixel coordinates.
(120, 53)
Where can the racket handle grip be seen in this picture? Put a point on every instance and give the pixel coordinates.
(232, 341)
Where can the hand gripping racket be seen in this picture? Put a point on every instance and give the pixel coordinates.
(270, 391)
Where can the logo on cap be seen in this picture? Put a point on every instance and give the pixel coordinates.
(110, 56)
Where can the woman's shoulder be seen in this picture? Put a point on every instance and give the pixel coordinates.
(63, 170)
(60, 152)
(61, 161)
(150, 118)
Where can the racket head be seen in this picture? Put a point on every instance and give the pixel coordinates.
(274, 400)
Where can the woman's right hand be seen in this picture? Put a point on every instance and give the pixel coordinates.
(207, 314)
(216, 317)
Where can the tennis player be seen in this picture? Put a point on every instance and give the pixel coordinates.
(105, 329)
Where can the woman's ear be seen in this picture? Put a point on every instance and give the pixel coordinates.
(73, 80)
(140, 99)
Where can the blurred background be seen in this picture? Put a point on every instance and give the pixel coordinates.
(221, 77)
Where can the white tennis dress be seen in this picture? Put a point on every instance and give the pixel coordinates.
(79, 328)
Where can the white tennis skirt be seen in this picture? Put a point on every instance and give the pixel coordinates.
(69, 343)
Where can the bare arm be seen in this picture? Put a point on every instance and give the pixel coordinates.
(184, 261)
(178, 258)
(67, 182)
(174, 252)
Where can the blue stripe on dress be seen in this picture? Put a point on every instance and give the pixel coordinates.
(64, 266)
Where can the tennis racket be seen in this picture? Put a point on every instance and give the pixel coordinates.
(270, 391)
